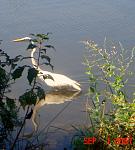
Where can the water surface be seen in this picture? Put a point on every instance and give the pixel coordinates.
(70, 22)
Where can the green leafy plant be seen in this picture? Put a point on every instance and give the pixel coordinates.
(111, 109)
(10, 71)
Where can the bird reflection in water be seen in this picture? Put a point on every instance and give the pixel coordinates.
(52, 97)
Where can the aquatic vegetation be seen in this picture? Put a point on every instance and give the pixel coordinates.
(11, 124)
(111, 104)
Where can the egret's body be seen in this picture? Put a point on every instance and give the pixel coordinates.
(59, 81)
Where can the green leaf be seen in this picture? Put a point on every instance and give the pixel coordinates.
(18, 72)
(2, 73)
(31, 46)
(10, 103)
(47, 76)
(17, 58)
(32, 73)
(28, 98)
(3, 64)
(50, 46)
(92, 89)
(40, 93)
(43, 36)
(46, 57)
(34, 40)
(43, 50)
(14, 65)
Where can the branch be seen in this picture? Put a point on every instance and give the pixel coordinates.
(12, 148)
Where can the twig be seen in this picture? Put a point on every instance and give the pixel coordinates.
(20, 129)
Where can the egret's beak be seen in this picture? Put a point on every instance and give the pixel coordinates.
(19, 40)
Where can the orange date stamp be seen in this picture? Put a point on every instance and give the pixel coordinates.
(117, 141)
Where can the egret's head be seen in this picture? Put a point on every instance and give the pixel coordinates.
(22, 39)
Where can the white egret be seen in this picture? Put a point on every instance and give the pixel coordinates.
(59, 81)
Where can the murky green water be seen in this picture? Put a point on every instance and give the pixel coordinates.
(70, 22)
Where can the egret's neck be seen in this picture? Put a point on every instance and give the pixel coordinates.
(35, 65)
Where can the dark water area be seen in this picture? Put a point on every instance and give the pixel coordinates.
(70, 22)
